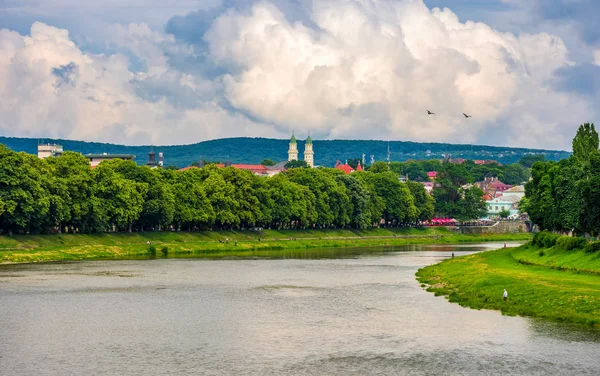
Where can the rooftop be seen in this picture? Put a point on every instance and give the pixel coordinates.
(108, 156)
(516, 188)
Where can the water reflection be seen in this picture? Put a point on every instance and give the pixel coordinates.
(313, 314)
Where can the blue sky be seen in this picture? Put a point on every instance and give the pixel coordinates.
(188, 70)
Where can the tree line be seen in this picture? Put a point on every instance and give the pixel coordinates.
(564, 196)
(65, 194)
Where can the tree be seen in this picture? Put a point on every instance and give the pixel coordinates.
(379, 167)
(585, 144)
(296, 164)
(515, 174)
(590, 198)
(159, 203)
(529, 160)
(539, 203)
(449, 192)
(353, 162)
(472, 206)
(415, 171)
(399, 203)
(248, 206)
(221, 195)
(504, 213)
(72, 170)
(26, 201)
(121, 199)
(423, 201)
(294, 204)
(268, 162)
(332, 201)
(191, 206)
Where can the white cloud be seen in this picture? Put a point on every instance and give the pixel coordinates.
(374, 67)
(369, 69)
(597, 57)
(50, 88)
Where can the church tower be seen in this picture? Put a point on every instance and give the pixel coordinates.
(309, 154)
(293, 150)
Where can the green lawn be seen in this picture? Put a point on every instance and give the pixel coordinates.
(478, 280)
(35, 248)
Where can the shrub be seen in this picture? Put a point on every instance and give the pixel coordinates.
(550, 240)
(541, 252)
(538, 238)
(567, 243)
(152, 250)
(164, 250)
(545, 239)
(592, 247)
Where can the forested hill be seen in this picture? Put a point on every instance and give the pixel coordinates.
(254, 150)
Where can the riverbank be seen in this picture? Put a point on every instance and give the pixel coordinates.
(545, 283)
(214, 244)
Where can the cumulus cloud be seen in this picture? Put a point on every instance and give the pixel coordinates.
(50, 88)
(376, 77)
(338, 68)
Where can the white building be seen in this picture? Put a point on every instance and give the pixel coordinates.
(496, 205)
(516, 191)
(49, 150)
(96, 159)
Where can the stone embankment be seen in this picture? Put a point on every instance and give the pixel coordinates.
(501, 227)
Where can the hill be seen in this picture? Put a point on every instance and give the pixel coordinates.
(254, 150)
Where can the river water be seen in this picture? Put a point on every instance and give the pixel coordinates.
(329, 312)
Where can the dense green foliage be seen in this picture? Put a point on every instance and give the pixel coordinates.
(512, 174)
(454, 195)
(565, 196)
(254, 150)
(64, 194)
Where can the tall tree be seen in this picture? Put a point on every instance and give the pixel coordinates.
(379, 167)
(585, 144)
(423, 201)
(26, 202)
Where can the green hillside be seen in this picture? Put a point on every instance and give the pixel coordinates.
(254, 150)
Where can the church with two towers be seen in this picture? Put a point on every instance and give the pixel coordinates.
(309, 154)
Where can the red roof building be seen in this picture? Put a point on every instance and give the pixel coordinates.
(432, 174)
(344, 167)
(359, 167)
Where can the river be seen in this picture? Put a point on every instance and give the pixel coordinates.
(327, 312)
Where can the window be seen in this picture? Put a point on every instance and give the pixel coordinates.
(496, 208)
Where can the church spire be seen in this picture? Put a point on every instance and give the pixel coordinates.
(309, 154)
(293, 149)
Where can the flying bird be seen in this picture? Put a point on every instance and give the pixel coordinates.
(467, 116)
(430, 113)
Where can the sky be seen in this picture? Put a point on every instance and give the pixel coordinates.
(185, 71)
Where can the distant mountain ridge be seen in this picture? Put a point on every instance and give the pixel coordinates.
(327, 152)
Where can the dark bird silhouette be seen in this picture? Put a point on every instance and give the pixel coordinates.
(467, 116)
(430, 113)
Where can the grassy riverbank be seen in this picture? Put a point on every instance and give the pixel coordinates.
(546, 283)
(62, 247)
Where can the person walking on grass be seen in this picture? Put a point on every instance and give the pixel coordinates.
(505, 295)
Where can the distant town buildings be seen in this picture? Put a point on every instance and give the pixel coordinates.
(96, 159)
(476, 161)
(152, 162)
(493, 186)
(49, 150)
(346, 168)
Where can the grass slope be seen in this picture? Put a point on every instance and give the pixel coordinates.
(477, 281)
(35, 248)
